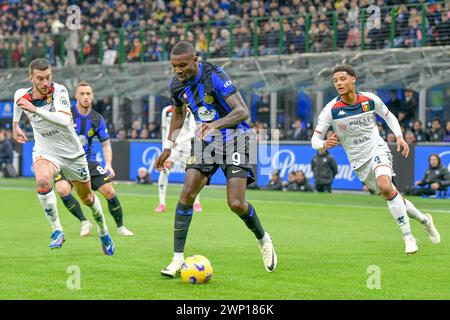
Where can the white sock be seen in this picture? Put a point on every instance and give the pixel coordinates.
(97, 212)
(163, 181)
(48, 203)
(398, 211)
(264, 239)
(414, 213)
(178, 256)
(197, 199)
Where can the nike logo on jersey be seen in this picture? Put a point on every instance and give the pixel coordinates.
(235, 171)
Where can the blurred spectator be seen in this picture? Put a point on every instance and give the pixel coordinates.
(291, 184)
(395, 103)
(143, 176)
(153, 131)
(122, 134)
(420, 133)
(134, 134)
(263, 109)
(436, 132)
(6, 156)
(410, 138)
(442, 35)
(409, 106)
(302, 182)
(274, 182)
(324, 168)
(144, 134)
(447, 132)
(437, 177)
(298, 132)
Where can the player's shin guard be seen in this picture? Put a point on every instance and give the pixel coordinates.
(97, 213)
(116, 211)
(48, 203)
(163, 181)
(73, 206)
(414, 213)
(398, 211)
(252, 222)
(183, 217)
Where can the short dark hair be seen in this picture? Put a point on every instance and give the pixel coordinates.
(438, 120)
(84, 84)
(39, 64)
(344, 68)
(182, 47)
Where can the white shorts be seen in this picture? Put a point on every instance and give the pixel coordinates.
(180, 154)
(73, 169)
(380, 164)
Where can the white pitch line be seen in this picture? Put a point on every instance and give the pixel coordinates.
(257, 200)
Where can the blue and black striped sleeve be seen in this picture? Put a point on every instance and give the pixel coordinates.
(102, 132)
(175, 100)
(222, 83)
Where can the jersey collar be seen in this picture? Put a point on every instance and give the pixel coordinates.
(80, 114)
(199, 75)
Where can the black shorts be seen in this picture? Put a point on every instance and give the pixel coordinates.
(98, 176)
(232, 157)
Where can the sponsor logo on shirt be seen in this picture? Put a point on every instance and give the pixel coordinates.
(227, 84)
(206, 115)
(365, 106)
(342, 113)
(208, 99)
(50, 133)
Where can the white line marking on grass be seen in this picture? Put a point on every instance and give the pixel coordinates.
(256, 200)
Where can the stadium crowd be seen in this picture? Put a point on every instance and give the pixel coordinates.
(36, 27)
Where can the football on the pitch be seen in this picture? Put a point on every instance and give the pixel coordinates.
(196, 270)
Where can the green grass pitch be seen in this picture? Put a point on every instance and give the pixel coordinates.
(325, 243)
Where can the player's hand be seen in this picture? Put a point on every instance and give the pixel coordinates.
(111, 171)
(331, 142)
(435, 186)
(159, 163)
(19, 135)
(402, 143)
(205, 129)
(26, 105)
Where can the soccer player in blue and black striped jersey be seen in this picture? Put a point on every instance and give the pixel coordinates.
(88, 125)
(222, 140)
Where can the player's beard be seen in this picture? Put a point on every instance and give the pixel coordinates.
(42, 91)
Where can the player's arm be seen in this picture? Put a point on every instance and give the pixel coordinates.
(103, 137)
(176, 123)
(108, 155)
(62, 115)
(18, 134)
(393, 124)
(224, 87)
(239, 112)
(323, 123)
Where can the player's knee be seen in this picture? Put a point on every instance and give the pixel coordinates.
(385, 187)
(62, 189)
(44, 185)
(188, 196)
(87, 199)
(109, 194)
(237, 206)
